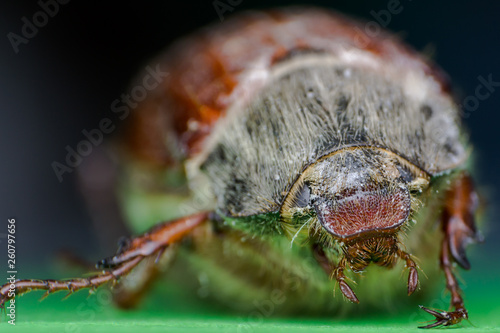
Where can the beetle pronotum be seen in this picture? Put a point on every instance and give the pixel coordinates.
(310, 140)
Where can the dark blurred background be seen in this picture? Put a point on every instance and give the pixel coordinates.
(64, 79)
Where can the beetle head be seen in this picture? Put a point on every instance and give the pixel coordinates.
(360, 197)
(357, 193)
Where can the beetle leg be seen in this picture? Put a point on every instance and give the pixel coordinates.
(459, 230)
(446, 318)
(336, 271)
(149, 245)
(458, 223)
(153, 241)
(320, 256)
(413, 274)
(136, 284)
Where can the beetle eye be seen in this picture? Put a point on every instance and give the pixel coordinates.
(303, 196)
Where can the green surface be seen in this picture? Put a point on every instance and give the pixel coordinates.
(171, 310)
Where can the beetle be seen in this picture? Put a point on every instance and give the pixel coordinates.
(304, 147)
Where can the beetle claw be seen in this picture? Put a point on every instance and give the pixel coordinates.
(413, 274)
(445, 318)
(123, 245)
(111, 262)
(348, 292)
(412, 280)
(106, 263)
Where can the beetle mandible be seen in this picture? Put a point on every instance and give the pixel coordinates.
(302, 139)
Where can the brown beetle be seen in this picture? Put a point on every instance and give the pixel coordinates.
(294, 126)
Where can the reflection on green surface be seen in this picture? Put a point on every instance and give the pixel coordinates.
(174, 310)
